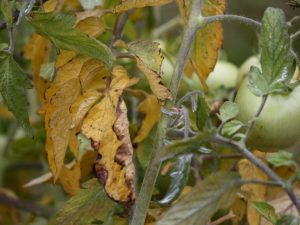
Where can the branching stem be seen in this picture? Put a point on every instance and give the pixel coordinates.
(144, 197)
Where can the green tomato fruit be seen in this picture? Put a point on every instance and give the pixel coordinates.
(278, 126)
(224, 74)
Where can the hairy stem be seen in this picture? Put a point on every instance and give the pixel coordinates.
(203, 21)
(144, 197)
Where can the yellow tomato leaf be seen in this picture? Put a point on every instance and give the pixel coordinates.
(148, 52)
(106, 125)
(255, 192)
(38, 51)
(209, 39)
(130, 4)
(183, 10)
(150, 107)
(149, 58)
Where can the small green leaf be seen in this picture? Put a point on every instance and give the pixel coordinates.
(228, 111)
(202, 113)
(179, 177)
(47, 71)
(59, 29)
(187, 145)
(198, 206)
(13, 85)
(267, 211)
(281, 158)
(288, 220)
(232, 127)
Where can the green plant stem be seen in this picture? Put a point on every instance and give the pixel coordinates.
(241, 147)
(293, 20)
(257, 114)
(10, 31)
(164, 28)
(262, 182)
(210, 19)
(295, 36)
(144, 197)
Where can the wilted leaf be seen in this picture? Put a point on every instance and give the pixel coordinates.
(179, 177)
(216, 192)
(151, 108)
(149, 59)
(187, 145)
(228, 111)
(13, 85)
(209, 39)
(281, 158)
(130, 4)
(90, 204)
(255, 192)
(49, 25)
(266, 210)
(107, 126)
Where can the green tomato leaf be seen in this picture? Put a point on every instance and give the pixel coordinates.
(179, 177)
(88, 206)
(232, 127)
(228, 111)
(281, 158)
(187, 145)
(276, 58)
(288, 220)
(13, 85)
(202, 113)
(198, 206)
(59, 29)
(267, 211)
(258, 85)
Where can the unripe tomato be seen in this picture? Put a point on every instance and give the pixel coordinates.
(224, 74)
(278, 126)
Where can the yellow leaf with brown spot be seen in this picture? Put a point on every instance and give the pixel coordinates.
(106, 124)
(209, 39)
(149, 58)
(255, 192)
(150, 107)
(71, 95)
(130, 4)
